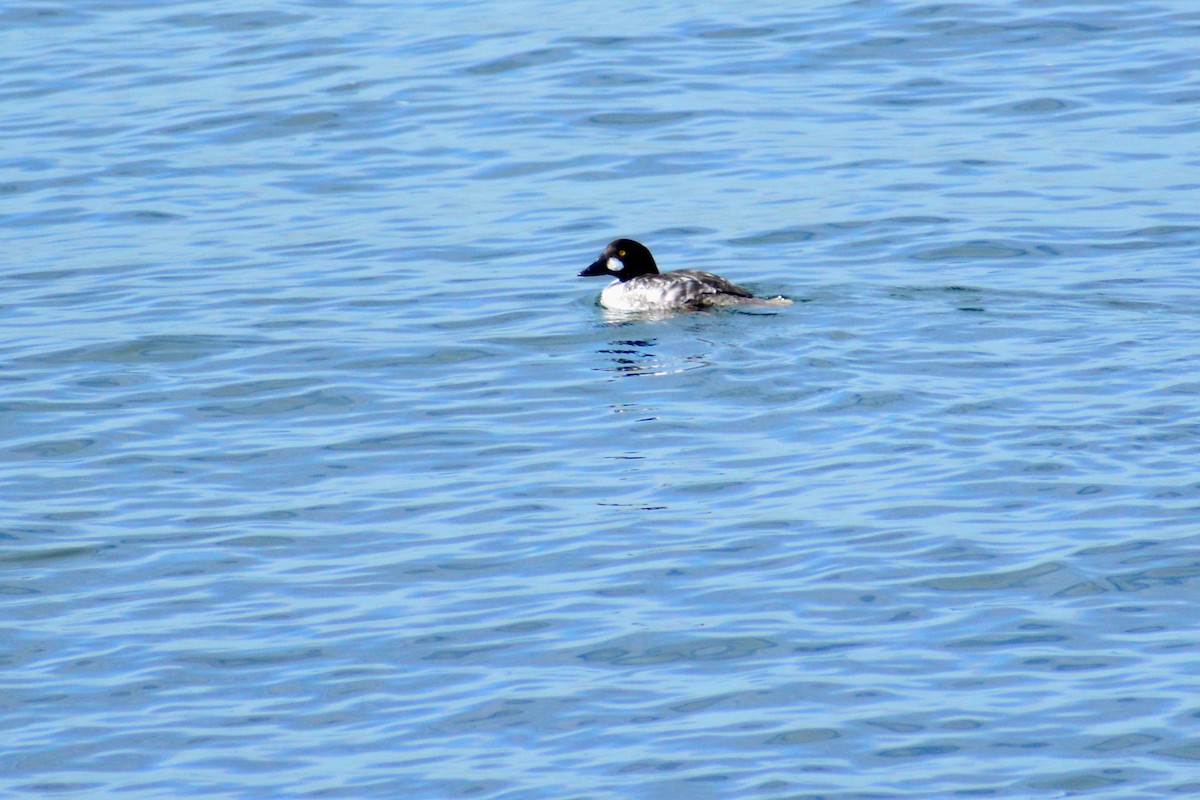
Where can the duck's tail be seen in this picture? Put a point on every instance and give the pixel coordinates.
(771, 301)
(722, 300)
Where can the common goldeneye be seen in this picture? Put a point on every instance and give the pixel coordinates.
(639, 286)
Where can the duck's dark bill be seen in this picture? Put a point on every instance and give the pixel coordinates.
(597, 267)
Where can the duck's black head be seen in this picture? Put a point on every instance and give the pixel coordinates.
(623, 259)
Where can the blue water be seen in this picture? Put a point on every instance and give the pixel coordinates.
(322, 475)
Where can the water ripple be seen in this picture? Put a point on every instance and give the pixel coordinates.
(323, 474)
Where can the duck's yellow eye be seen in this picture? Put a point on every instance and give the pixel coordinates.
(620, 254)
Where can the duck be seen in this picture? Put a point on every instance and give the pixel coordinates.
(640, 287)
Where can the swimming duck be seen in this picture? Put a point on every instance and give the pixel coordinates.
(639, 286)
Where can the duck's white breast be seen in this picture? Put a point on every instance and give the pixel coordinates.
(655, 293)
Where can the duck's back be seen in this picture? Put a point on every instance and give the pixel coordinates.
(708, 284)
(683, 288)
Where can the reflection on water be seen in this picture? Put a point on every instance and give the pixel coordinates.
(633, 358)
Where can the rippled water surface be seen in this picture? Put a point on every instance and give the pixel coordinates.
(324, 476)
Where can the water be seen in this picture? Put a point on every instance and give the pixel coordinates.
(323, 475)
